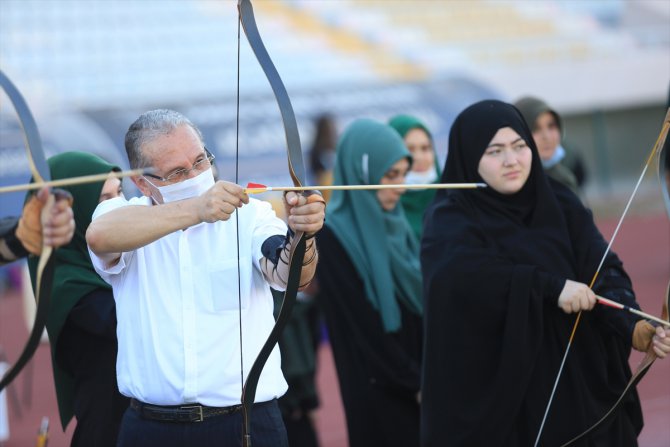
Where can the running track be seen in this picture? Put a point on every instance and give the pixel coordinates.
(643, 244)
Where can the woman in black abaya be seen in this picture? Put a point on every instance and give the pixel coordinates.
(505, 269)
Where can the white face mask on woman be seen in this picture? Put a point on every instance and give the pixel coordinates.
(421, 178)
(186, 189)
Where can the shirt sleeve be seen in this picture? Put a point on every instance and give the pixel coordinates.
(266, 225)
(105, 271)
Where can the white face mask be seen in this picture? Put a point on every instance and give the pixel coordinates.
(421, 178)
(555, 159)
(187, 189)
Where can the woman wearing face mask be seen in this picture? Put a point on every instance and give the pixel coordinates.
(546, 125)
(370, 282)
(505, 269)
(82, 319)
(425, 168)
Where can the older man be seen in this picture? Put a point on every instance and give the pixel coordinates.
(192, 290)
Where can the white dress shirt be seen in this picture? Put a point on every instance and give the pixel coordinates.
(177, 310)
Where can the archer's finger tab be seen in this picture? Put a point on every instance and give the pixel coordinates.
(642, 335)
(314, 196)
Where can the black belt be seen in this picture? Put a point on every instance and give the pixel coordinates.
(180, 413)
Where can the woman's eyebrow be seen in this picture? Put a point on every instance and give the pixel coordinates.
(502, 144)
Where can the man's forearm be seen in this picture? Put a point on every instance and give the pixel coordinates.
(131, 227)
(277, 274)
(309, 264)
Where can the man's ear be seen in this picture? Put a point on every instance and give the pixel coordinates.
(142, 185)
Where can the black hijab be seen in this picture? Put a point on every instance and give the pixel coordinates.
(534, 209)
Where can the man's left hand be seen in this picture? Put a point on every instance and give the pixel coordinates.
(305, 214)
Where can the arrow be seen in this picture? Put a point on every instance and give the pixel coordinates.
(75, 180)
(257, 188)
(616, 305)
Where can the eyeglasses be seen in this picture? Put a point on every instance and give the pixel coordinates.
(182, 174)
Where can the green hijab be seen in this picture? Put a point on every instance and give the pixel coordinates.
(380, 243)
(74, 276)
(415, 202)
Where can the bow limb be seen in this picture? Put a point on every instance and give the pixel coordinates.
(40, 171)
(640, 372)
(664, 169)
(297, 172)
(650, 357)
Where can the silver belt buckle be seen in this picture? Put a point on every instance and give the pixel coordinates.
(198, 407)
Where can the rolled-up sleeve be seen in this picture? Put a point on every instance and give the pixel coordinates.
(107, 271)
(266, 225)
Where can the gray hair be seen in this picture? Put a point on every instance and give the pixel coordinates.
(149, 126)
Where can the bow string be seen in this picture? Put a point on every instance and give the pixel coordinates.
(645, 365)
(650, 356)
(297, 171)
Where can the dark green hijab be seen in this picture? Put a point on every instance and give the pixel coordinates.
(379, 243)
(74, 276)
(415, 202)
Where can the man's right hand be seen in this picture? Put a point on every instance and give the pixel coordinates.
(220, 201)
(576, 297)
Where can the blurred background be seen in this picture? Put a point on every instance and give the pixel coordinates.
(89, 68)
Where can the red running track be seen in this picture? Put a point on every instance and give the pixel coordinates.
(643, 244)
